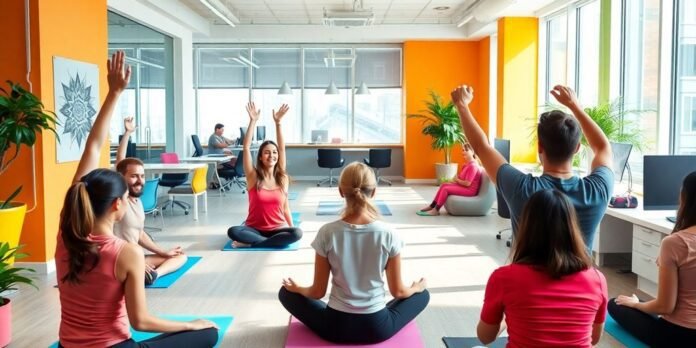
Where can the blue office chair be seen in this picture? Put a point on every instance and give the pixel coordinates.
(149, 200)
(234, 175)
(332, 159)
(379, 158)
(198, 149)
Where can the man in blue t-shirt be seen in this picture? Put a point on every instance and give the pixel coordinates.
(559, 139)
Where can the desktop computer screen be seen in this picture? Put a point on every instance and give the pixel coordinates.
(320, 136)
(621, 153)
(662, 180)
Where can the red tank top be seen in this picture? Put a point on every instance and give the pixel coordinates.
(93, 312)
(266, 209)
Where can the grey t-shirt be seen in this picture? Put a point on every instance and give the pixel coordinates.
(358, 255)
(589, 195)
(213, 141)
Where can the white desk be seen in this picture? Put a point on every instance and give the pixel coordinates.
(638, 232)
(171, 168)
(211, 160)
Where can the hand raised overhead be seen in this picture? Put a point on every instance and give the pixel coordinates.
(565, 96)
(462, 95)
(119, 72)
(129, 124)
(277, 116)
(253, 112)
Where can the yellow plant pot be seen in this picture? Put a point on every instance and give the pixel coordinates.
(11, 221)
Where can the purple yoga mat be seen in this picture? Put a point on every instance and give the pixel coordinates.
(300, 336)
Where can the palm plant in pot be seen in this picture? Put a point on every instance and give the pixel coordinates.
(441, 122)
(9, 277)
(22, 116)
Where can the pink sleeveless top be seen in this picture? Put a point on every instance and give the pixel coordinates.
(266, 209)
(93, 312)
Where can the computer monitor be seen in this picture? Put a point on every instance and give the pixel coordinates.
(621, 153)
(320, 136)
(662, 180)
(260, 133)
(242, 133)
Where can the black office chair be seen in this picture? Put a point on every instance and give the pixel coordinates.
(332, 159)
(198, 149)
(130, 148)
(234, 175)
(503, 147)
(379, 158)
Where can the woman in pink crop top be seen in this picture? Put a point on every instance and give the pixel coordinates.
(670, 319)
(551, 295)
(467, 183)
(100, 276)
(269, 223)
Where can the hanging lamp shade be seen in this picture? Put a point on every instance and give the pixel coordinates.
(331, 89)
(285, 89)
(362, 90)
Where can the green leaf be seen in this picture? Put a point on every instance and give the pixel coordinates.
(8, 201)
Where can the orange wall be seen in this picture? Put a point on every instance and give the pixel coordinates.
(440, 66)
(518, 50)
(78, 32)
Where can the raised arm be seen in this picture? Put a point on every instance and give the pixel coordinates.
(129, 128)
(490, 158)
(254, 115)
(396, 285)
(118, 77)
(277, 116)
(595, 137)
(317, 290)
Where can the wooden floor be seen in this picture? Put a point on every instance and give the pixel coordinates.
(455, 254)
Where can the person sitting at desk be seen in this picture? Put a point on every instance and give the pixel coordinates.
(670, 319)
(217, 143)
(269, 223)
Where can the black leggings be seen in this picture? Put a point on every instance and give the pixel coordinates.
(650, 329)
(265, 239)
(341, 327)
(205, 338)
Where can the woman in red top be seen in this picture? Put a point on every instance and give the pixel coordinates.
(269, 223)
(550, 296)
(467, 183)
(100, 276)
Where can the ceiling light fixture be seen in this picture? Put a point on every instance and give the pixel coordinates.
(331, 89)
(465, 19)
(217, 12)
(362, 90)
(242, 60)
(285, 89)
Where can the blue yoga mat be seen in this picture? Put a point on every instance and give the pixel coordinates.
(167, 280)
(468, 342)
(621, 335)
(293, 195)
(291, 247)
(335, 207)
(222, 322)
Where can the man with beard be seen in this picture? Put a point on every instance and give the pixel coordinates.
(132, 227)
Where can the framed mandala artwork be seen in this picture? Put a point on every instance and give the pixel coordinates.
(76, 91)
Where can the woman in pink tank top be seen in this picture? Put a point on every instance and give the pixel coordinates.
(670, 319)
(98, 273)
(269, 222)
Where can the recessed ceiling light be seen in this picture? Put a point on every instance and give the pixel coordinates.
(441, 8)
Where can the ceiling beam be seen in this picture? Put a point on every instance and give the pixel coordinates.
(180, 13)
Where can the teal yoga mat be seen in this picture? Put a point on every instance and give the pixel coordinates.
(169, 279)
(335, 207)
(621, 335)
(222, 322)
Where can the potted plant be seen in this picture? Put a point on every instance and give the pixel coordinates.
(22, 116)
(9, 277)
(441, 122)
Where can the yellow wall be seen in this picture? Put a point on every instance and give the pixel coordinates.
(517, 84)
(440, 66)
(78, 32)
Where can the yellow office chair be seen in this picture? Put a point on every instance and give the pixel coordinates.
(197, 188)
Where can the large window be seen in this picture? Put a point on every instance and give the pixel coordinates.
(556, 52)
(685, 79)
(226, 77)
(587, 54)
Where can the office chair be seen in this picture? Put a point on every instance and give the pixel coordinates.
(130, 149)
(198, 149)
(379, 158)
(234, 175)
(195, 189)
(149, 201)
(173, 180)
(332, 159)
(503, 147)
(260, 133)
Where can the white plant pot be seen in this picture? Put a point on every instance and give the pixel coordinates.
(445, 172)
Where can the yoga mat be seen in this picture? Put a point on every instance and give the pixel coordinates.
(167, 280)
(335, 207)
(291, 247)
(222, 322)
(620, 334)
(469, 342)
(300, 336)
(293, 195)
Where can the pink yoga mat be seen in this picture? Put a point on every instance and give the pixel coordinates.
(300, 336)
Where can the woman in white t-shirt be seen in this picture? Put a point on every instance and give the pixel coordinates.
(356, 250)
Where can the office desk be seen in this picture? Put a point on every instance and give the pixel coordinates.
(154, 169)
(638, 232)
(211, 161)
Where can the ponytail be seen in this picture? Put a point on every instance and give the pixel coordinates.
(86, 201)
(357, 183)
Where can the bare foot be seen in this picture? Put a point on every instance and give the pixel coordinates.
(427, 208)
(236, 244)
